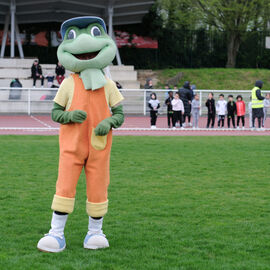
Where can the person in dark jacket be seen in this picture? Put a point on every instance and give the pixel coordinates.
(210, 104)
(37, 73)
(168, 102)
(186, 96)
(60, 73)
(148, 84)
(257, 104)
(231, 111)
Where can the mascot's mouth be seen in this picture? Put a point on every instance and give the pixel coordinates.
(86, 56)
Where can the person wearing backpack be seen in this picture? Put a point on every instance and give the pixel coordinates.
(15, 93)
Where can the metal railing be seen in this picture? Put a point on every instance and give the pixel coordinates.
(40, 100)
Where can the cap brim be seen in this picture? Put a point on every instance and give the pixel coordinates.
(81, 22)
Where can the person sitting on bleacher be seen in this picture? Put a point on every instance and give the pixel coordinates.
(37, 73)
(60, 73)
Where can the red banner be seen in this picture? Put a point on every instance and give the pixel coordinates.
(125, 39)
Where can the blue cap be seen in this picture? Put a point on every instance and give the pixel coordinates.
(81, 22)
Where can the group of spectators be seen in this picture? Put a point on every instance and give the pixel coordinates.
(184, 103)
(179, 107)
(36, 74)
(257, 109)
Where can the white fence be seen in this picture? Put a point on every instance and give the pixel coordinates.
(40, 100)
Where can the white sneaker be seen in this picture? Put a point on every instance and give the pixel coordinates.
(174, 128)
(153, 127)
(52, 242)
(238, 127)
(95, 241)
(190, 124)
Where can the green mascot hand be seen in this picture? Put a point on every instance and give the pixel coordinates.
(64, 117)
(115, 121)
(77, 116)
(103, 127)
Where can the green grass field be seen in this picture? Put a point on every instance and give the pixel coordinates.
(219, 78)
(175, 203)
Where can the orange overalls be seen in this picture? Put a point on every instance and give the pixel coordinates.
(80, 147)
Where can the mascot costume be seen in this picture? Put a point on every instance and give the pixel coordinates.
(87, 105)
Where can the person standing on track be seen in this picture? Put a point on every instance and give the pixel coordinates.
(178, 110)
(231, 109)
(250, 112)
(154, 105)
(240, 110)
(186, 95)
(266, 104)
(210, 104)
(221, 110)
(168, 102)
(257, 104)
(195, 110)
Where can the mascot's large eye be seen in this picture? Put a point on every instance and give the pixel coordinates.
(95, 31)
(71, 34)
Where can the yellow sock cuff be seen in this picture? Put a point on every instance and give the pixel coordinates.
(63, 204)
(97, 209)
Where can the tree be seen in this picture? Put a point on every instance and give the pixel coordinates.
(178, 14)
(235, 18)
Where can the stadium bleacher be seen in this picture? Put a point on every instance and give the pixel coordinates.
(40, 98)
(21, 69)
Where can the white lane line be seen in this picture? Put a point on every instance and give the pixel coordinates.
(190, 129)
(48, 127)
(41, 122)
(28, 128)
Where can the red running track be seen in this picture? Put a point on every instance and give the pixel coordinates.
(43, 125)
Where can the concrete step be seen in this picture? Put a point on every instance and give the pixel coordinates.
(123, 75)
(29, 83)
(121, 68)
(130, 84)
(27, 63)
(45, 106)
(133, 102)
(23, 73)
(21, 69)
(25, 83)
(16, 62)
(35, 95)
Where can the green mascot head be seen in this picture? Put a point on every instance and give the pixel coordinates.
(86, 49)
